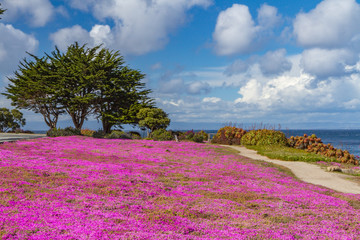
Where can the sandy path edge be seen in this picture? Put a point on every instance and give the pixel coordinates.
(307, 172)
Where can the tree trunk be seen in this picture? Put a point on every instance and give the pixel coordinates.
(78, 117)
(78, 121)
(106, 126)
(50, 122)
(75, 120)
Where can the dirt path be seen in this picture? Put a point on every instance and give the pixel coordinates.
(308, 172)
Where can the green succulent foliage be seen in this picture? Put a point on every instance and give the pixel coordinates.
(264, 137)
(59, 132)
(10, 120)
(118, 135)
(162, 135)
(99, 134)
(153, 118)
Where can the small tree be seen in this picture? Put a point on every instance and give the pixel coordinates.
(153, 118)
(10, 119)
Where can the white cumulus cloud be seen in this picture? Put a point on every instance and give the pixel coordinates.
(297, 91)
(67, 36)
(330, 34)
(101, 34)
(270, 64)
(325, 63)
(287, 93)
(37, 12)
(268, 16)
(333, 23)
(236, 31)
(237, 67)
(13, 47)
(275, 62)
(139, 26)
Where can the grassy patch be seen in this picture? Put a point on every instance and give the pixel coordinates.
(226, 151)
(289, 154)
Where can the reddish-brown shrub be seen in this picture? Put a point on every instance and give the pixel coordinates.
(315, 145)
(229, 136)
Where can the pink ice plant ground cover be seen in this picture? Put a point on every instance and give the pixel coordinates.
(85, 188)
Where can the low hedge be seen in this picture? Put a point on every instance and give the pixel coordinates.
(59, 132)
(229, 136)
(264, 137)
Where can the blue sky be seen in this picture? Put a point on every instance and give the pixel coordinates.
(210, 62)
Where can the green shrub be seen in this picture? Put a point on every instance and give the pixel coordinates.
(59, 132)
(118, 135)
(229, 136)
(19, 130)
(188, 135)
(199, 138)
(203, 134)
(87, 132)
(191, 136)
(264, 137)
(99, 134)
(135, 135)
(162, 135)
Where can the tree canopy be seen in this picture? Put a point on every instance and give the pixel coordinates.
(80, 82)
(153, 118)
(10, 119)
(33, 88)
